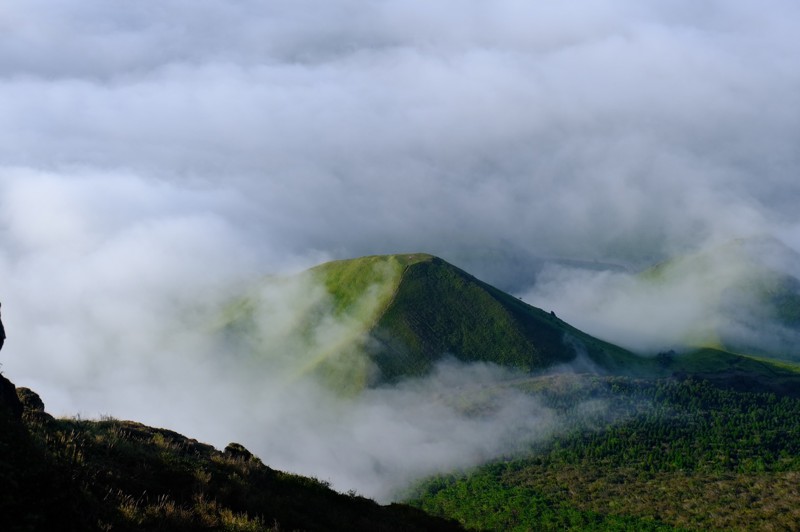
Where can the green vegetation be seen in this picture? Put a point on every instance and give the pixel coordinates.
(319, 321)
(73, 474)
(439, 309)
(482, 501)
(676, 453)
(735, 371)
(703, 361)
(364, 287)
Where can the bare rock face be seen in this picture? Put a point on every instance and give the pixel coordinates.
(9, 400)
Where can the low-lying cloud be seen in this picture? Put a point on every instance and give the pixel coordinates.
(622, 134)
(719, 296)
(381, 442)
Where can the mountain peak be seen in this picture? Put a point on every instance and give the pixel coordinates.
(417, 308)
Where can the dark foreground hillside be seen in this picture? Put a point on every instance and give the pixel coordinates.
(120, 475)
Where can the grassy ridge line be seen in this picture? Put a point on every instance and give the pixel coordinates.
(365, 287)
(736, 371)
(792, 367)
(609, 356)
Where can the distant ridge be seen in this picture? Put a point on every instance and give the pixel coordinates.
(745, 281)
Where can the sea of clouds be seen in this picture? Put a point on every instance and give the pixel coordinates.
(156, 158)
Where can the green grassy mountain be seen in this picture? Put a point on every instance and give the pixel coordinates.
(381, 318)
(72, 474)
(438, 309)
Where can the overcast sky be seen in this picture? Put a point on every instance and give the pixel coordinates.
(597, 130)
(152, 153)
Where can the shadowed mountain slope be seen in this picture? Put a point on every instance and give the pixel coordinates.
(438, 309)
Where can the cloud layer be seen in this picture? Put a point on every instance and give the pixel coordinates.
(153, 156)
(621, 133)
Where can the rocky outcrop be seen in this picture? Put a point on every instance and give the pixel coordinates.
(9, 402)
(238, 451)
(32, 406)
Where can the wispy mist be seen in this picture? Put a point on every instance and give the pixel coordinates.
(382, 441)
(714, 297)
(156, 158)
(621, 134)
